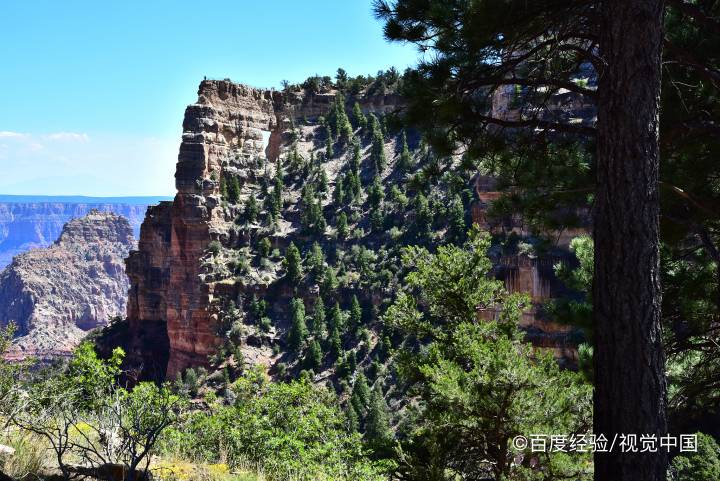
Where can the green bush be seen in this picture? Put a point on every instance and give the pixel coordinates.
(264, 247)
(293, 431)
(214, 247)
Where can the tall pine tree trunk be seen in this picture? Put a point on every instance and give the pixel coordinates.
(630, 389)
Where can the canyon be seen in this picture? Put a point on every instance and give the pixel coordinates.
(57, 294)
(180, 294)
(31, 222)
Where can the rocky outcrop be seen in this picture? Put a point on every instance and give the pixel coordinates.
(57, 294)
(168, 280)
(25, 226)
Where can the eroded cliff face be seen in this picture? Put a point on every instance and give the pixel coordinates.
(25, 226)
(168, 283)
(57, 294)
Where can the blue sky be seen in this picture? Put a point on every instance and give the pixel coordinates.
(100, 88)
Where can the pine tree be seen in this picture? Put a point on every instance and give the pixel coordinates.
(319, 319)
(316, 261)
(338, 193)
(292, 263)
(353, 423)
(372, 123)
(377, 427)
(313, 359)
(191, 381)
(323, 183)
(376, 193)
(356, 157)
(356, 115)
(385, 347)
(330, 283)
(223, 188)
(456, 219)
(405, 163)
(355, 313)
(233, 190)
(377, 220)
(298, 331)
(423, 217)
(342, 228)
(329, 153)
(264, 247)
(251, 208)
(377, 152)
(335, 315)
(361, 390)
(351, 361)
(335, 344)
(178, 386)
(226, 376)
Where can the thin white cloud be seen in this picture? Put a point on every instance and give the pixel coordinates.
(4, 145)
(62, 159)
(67, 136)
(13, 134)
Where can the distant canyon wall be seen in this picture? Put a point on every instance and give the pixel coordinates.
(25, 226)
(55, 295)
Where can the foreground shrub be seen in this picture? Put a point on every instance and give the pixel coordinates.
(293, 430)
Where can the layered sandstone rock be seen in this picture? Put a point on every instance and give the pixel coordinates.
(25, 226)
(57, 294)
(169, 282)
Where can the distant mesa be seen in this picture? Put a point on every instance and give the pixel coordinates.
(31, 222)
(57, 294)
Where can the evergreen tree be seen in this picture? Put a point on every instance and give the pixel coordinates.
(323, 183)
(361, 390)
(355, 313)
(298, 331)
(376, 193)
(264, 247)
(178, 388)
(353, 423)
(251, 208)
(352, 185)
(329, 153)
(313, 359)
(226, 376)
(191, 381)
(342, 227)
(319, 319)
(627, 258)
(233, 190)
(377, 219)
(372, 123)
(321, 225)
(356, 115)
(338, 193)
(292, 263)
(223, 188)
(456, 219)
(405, 163)
(335, 344)
(356, 157)
(377, 427)
(336, 321)
(423, 217)
(264, 187)
(351, 361)
(316, 261)
(377, 152)
(385, 347)
(330, 283)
